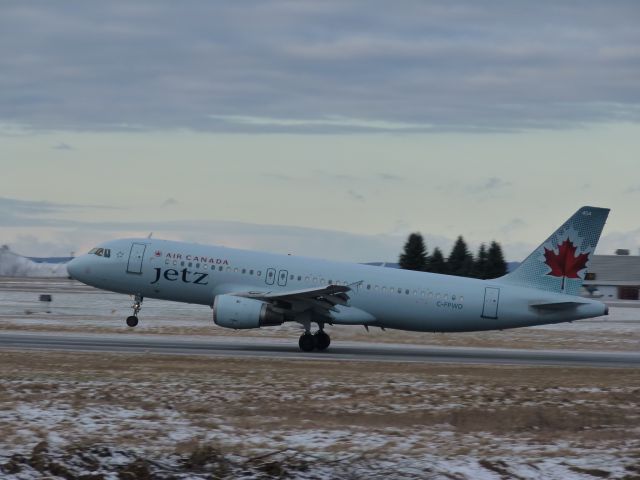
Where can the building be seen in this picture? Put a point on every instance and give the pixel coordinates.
(614, 277)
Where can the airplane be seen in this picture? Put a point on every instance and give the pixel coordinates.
(248, 289)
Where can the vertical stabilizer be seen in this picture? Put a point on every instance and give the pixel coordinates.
(560, 263)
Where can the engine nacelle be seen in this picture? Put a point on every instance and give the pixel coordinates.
(240, 313)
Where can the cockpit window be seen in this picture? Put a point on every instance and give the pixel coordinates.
(101, 252)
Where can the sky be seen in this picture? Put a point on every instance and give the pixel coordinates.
(330, 129)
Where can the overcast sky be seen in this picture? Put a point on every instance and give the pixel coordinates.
(319, 128)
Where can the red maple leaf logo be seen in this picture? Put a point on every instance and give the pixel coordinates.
(565, 263)
(158, 253)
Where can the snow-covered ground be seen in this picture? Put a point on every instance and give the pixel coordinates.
(155, 417)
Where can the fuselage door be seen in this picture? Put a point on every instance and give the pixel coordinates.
(136, 256)
(282, 278)
(491, 300)
(270, 277)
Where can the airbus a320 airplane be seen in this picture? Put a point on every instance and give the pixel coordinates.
(249, 289)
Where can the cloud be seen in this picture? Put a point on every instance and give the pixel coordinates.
(335, 66)
(490, 185)
(328, 124)
(15, 212)
(62, 146)
(390, 177)
(358, 197)
(512, 226)
(169, 202)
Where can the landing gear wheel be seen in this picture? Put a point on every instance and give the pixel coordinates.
(307, 342)
(132, 321)
(323, 340)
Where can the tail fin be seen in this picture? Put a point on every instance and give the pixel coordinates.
(560, 263)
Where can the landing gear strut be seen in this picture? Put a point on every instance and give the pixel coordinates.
(318, 341)
(132, 320)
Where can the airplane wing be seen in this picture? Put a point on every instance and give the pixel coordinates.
(322, 301)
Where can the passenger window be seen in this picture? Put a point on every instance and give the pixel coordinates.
(399, 290)
(197, 265)
(220, 268)
(182, 264)
(384, 289)
(259, 273)
(461, 299)
(291, 277)
(299, 278)
(250, 272)
(407, 291)
(369, 287)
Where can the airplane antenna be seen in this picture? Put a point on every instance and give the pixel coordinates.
(150, 235)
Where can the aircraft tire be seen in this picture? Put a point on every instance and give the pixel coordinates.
(307, 342)
(132, 321)
(323, 340)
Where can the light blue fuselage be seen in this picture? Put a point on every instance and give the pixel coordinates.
(384, 297)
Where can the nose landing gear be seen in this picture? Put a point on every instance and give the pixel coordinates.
(132, 320)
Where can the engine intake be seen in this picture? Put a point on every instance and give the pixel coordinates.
(230, 311)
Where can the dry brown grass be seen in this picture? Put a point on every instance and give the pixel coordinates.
(585, 402)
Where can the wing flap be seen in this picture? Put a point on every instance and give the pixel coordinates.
(322, 301)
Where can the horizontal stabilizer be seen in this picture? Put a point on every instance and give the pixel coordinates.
(556, 306)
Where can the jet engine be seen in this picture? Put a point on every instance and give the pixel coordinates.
(240, 313)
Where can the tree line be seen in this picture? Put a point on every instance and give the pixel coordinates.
(488, 263)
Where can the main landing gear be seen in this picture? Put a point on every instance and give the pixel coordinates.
(318, 341)
(132, 320)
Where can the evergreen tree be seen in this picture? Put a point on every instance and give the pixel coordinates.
(437, 263)
(481, 263)
(496, 265)
(460, 261)
(414, 256)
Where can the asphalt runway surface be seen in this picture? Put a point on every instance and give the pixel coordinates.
(342, 351)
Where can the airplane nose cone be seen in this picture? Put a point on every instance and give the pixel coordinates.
(77, 267)
(72, 268)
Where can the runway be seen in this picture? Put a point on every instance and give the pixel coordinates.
(339, 351)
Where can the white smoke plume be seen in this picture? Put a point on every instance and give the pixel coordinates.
(13, 265)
